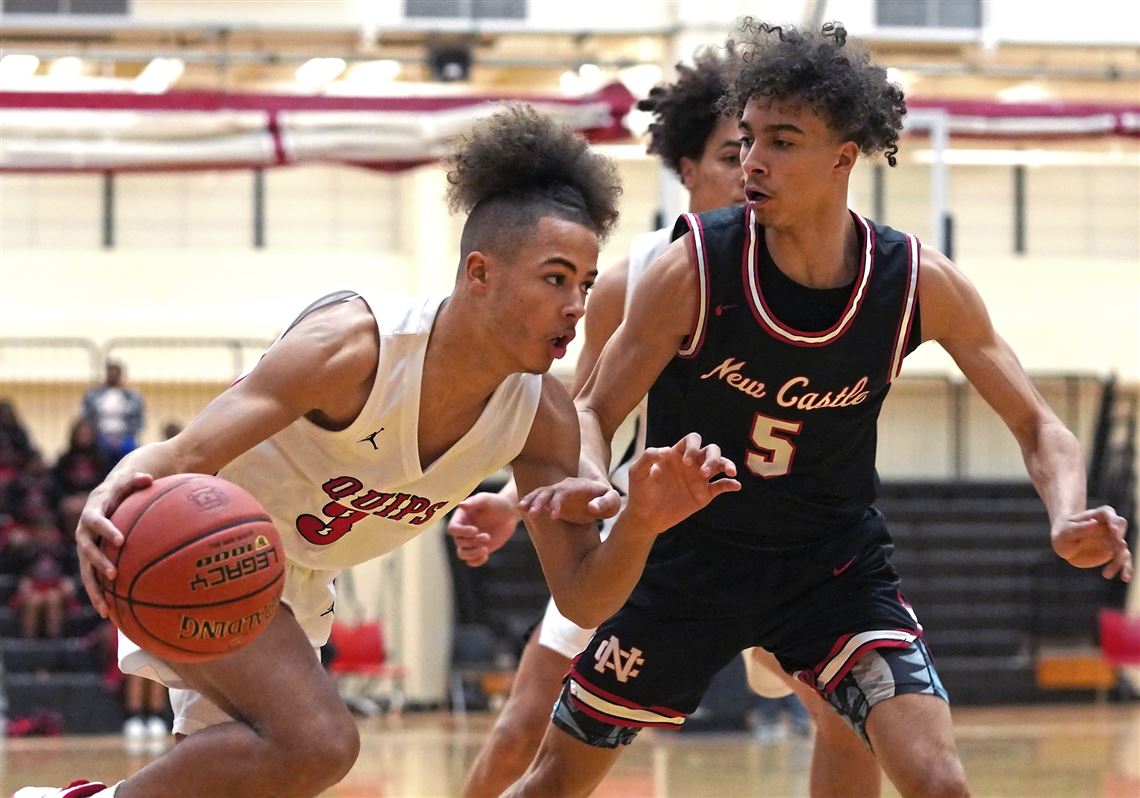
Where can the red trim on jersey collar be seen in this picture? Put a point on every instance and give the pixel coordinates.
(767, 318)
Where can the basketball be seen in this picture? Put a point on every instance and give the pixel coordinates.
(200, 571)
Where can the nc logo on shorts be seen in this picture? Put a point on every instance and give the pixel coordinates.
(624, 663)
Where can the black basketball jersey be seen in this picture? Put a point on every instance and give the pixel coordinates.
(795, 410)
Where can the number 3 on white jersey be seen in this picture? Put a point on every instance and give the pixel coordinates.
(774, 451)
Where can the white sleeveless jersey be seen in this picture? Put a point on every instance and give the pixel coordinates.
(342, 498)
(645, 249)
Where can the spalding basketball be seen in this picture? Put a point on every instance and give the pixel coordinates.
(200, 571)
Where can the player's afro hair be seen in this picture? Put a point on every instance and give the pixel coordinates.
(835, 79)
(687, 110)
(518, 166)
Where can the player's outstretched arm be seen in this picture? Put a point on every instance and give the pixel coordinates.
(588, 578)
(323, 368)
(954, 315)
(662, 313)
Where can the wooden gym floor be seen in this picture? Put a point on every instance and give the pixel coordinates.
(1081, 751)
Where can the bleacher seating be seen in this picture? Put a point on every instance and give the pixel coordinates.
(64, 676)
(976, 564)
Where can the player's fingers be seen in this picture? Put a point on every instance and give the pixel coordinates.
(123, 489)
(478, 540)
(554, 506)
(723, 486)
(1103, 514)
(89, 551)
(1119, 564)
(459, 528)
(716, 463)
(690, 448)
(1119, 525)
(474, 557)
(606, 506)
(536, 501)
(709, 456)
(1121, 558)
(94, 592)
(462, 532)
(94, 525)
(640, 467)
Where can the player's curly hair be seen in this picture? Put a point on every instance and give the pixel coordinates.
(517, 166)
(687, 110)
(834, 78)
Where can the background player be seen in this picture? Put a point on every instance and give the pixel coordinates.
(775, 330)
(699, 142)
(448, 390)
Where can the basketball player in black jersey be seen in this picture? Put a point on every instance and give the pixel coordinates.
(775, 330)
(699, 141)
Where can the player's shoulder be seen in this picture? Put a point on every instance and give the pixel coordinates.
(936, 271)
(717, 227)
(555, 422)
(730, 216)
(883, 233)
(339, 336)
(554, 401)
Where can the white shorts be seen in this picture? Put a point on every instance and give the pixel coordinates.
(561, 635)
(308, 594)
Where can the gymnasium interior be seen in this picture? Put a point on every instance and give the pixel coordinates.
(178, 179)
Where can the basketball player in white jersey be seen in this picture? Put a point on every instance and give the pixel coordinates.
(700, 144)
(368, 419)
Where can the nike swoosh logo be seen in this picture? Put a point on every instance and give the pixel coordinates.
(842, 568)
(720, 309)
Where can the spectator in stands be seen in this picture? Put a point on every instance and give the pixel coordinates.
(77, 471)
(15, 446)
(15, 545)
(144, 701)
(45, 590)
(31, 494)
(117, 413)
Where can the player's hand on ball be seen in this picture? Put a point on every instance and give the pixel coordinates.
(95, 526)
(578, 500)
(667, 485)
(1094, 538)
(480, 525)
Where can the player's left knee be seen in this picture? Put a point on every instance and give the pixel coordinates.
(943, 778)
(517, 736)
(331, 752)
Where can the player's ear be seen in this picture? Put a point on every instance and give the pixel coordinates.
(846, 157)
(475, 268)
